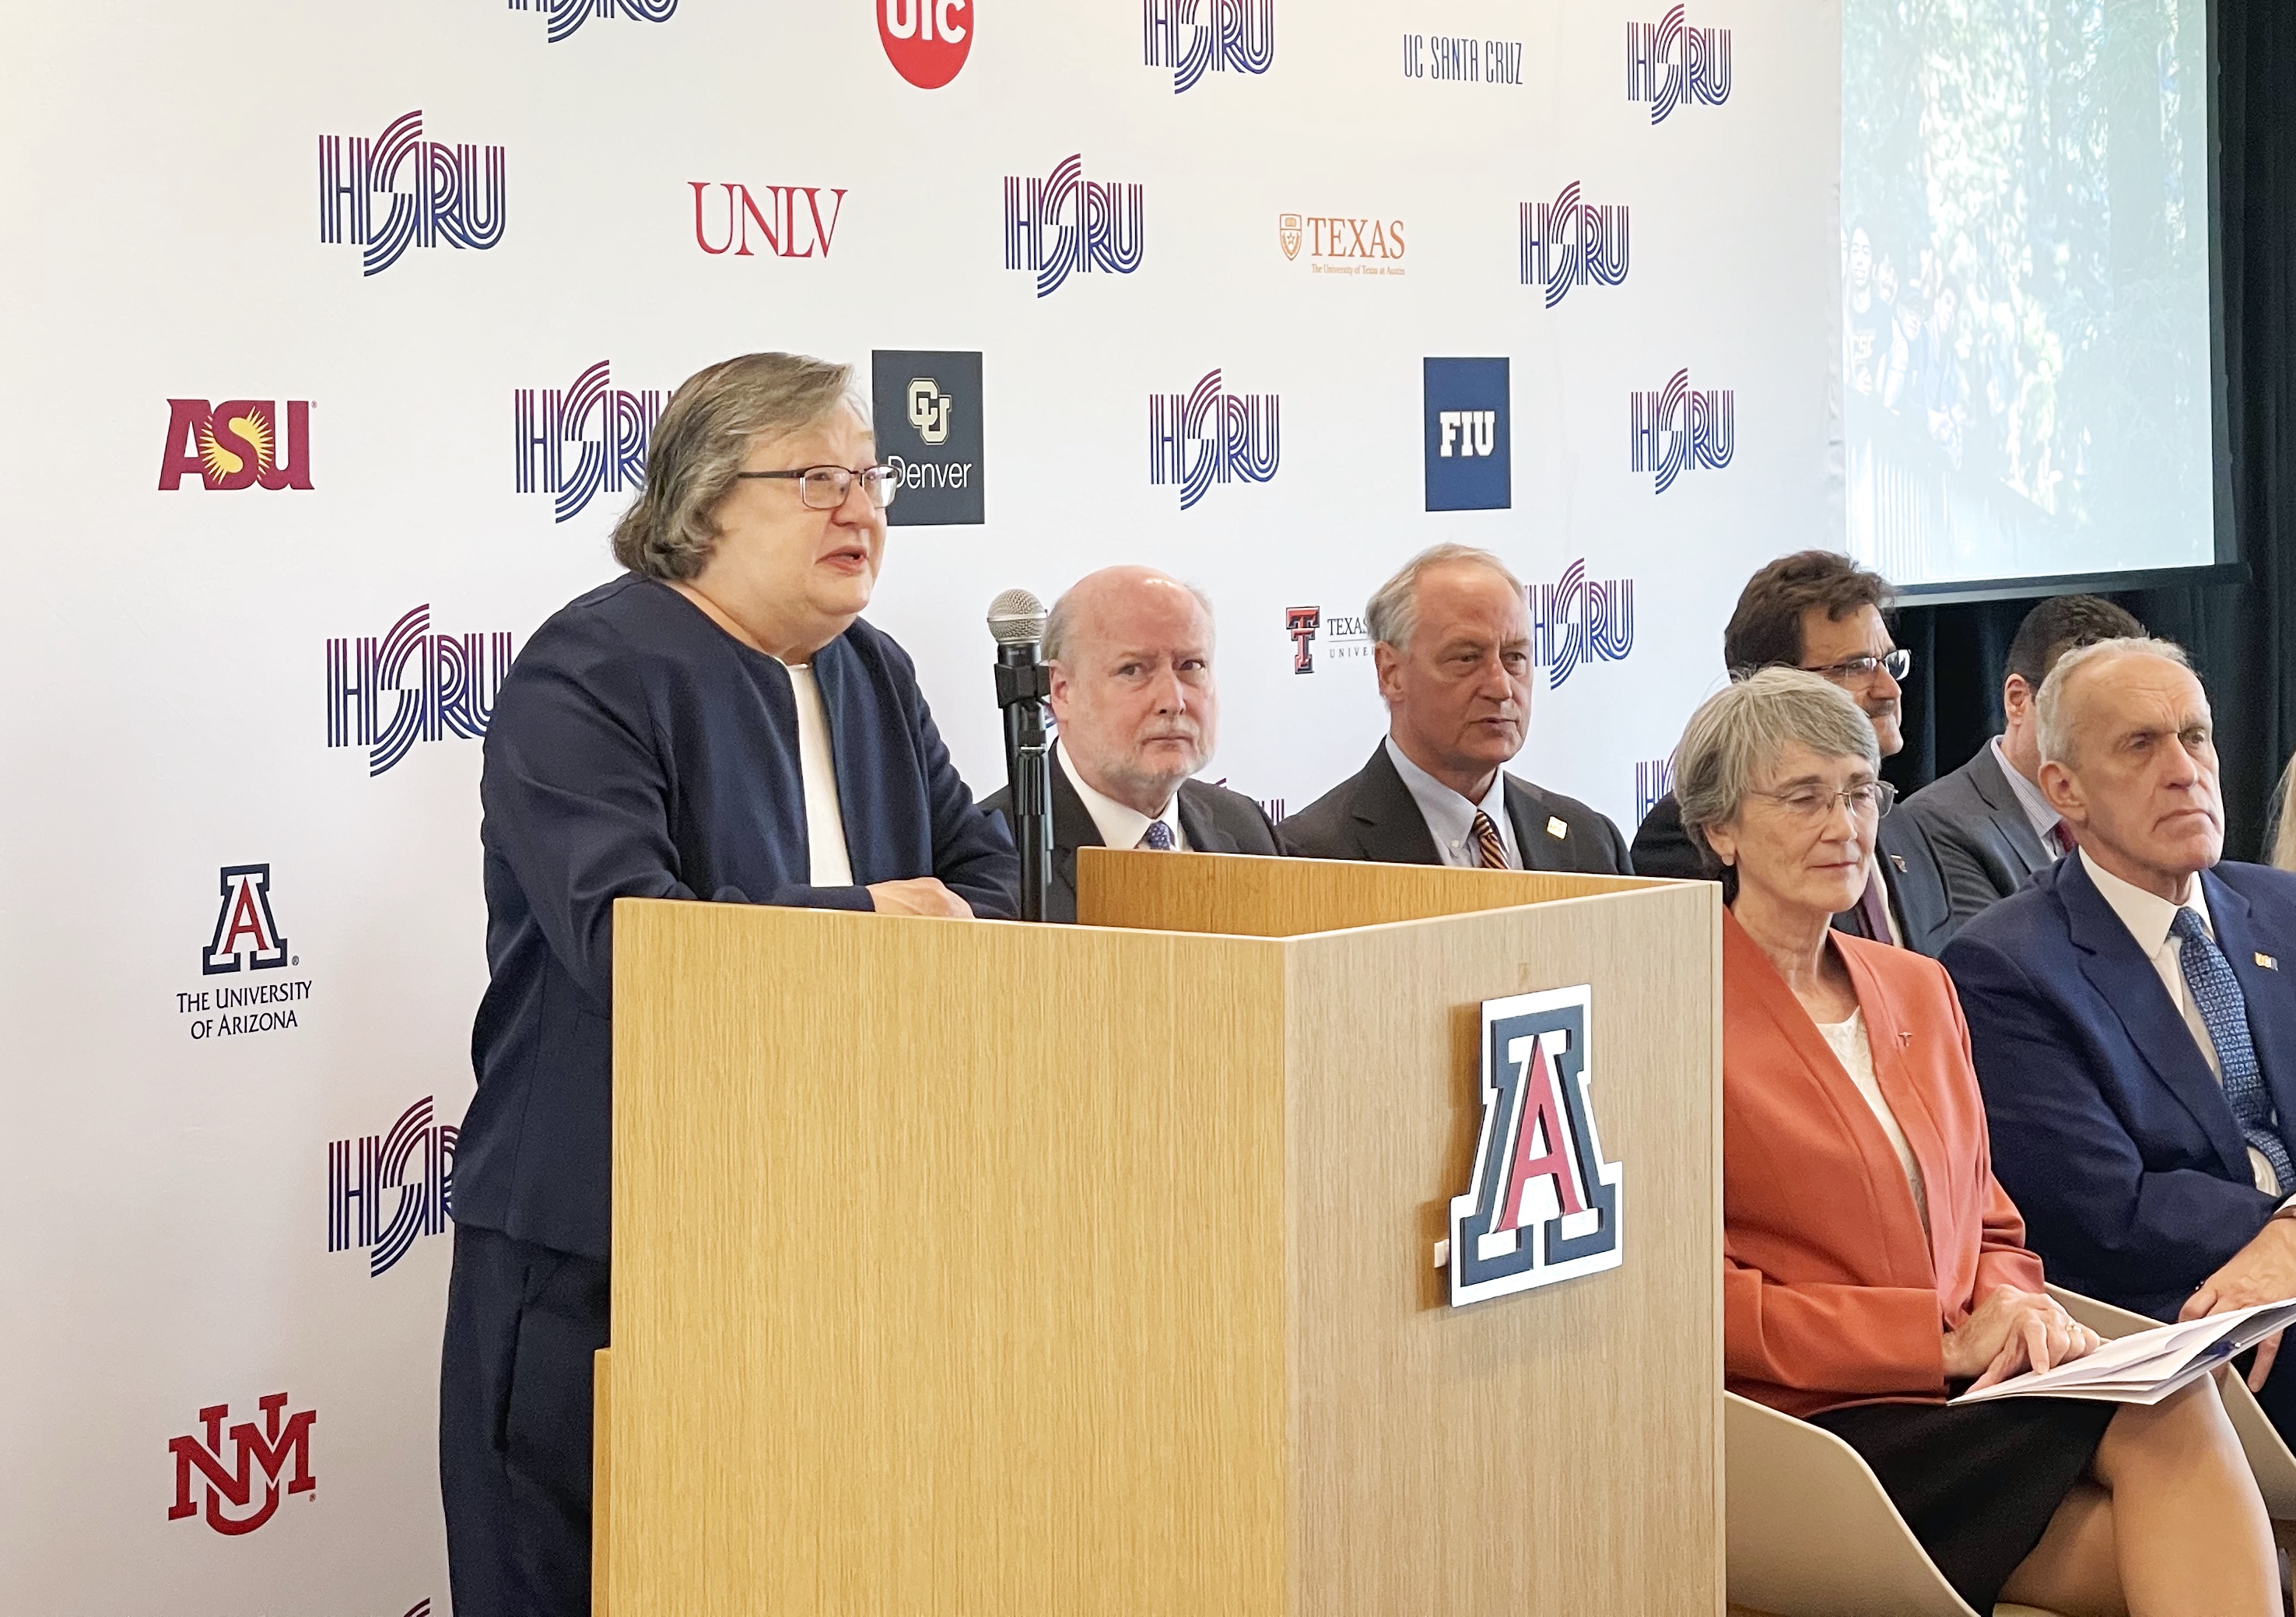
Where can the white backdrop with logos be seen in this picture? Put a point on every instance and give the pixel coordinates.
(321, 408)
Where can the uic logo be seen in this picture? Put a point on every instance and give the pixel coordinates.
(589, 438)
(1543, 1205)
(444, 685)
(417, 1159)
(1207, 435)
(926, 41)
(1671, 64)
(1678, 427)
(236, 444)
(437, 193)
(282, 1438)
(1653, 779)
(1579, 620)
(1193, 38)
(1066, 224)
(1570, 241)
(247, 938)
(786, 233)
(568, 15)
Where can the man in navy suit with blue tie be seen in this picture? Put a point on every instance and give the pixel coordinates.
(2134, 1018)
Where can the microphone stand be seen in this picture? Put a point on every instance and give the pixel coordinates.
(1022, 685)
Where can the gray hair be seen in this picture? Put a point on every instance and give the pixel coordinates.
(714, 420)
(1393, 614)
(1739, 731)
(2055, 725)
(1060, 623)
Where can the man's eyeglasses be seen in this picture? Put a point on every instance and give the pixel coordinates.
(1860, 670)
(1814, 803)
(825, 488)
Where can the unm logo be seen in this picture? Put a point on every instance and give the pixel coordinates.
(1066, 224)
(589, 437)
(1208, 436)
(926, 41)
(1678, 427)
(1669, 64)
(1193, 38)
(237, 444)
(1579, 620)
(568, 15)
(417, 1159)
(247, 937)
(444, 685)
(435, 193)
(1570, 241)
(268, 1447)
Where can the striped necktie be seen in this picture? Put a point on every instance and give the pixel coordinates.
(1488, 846)
(2224, 1009)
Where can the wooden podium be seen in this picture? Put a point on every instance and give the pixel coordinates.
(987, 1270)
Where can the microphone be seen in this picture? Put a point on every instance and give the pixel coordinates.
(1016, 619)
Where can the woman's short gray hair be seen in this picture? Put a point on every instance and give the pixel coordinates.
(2049, 715)
(1739, 731)
(714, 420)
(1394, 610)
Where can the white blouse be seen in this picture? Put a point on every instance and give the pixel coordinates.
(1856, 1053)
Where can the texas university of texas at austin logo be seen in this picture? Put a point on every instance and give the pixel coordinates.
(1543, 1205)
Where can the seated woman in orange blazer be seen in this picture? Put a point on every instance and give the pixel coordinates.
(1872, 1267)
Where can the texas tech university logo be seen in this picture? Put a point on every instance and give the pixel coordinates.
(246, 936)
(1545, 1205)
(269, 1448)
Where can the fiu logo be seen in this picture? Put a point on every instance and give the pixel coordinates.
(237, 444)
(1066, 224)
(1653, 779)
(1346, 638)
(568, 15)
(589, 438)
(1671, 64)
(1193, 38)
(928, 403)
(785, 232)
(1678, 427)
(926, 41)
(436, 192)
(1543, 1205)
(417, 1159)
(444, 685)
(1469, 457)
(1579, 620)
(1569, 241)
(1208, 436)
(269, 1448)
(247, 938)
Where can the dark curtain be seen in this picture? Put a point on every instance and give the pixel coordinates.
(2239, 635)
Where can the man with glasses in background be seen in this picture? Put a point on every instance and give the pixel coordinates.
(1819, 611)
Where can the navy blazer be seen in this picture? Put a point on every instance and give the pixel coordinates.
(638, 750)
(2108, 1130)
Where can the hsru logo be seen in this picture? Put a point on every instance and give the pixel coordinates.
(1579, 620)
(1193, 38)
(568, 15)
(237, 444)
(1208, 436)
(444, 685)
(1671, 64)
(1570, 241)
(417, 1159)
(281, 1438)
(246, 936)
(1653, 779)
(786, 230)
(926, 41)
(1543, 1205)
(1066, 224)
(437, 193)
(1677, 427)
(589, 438)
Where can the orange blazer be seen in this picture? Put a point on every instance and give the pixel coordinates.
(1830, 1292)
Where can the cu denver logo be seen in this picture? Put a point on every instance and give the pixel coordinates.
(1193, 38)
(436, 192)
(1065, 225)
(1545, 1205)
(1671, 64)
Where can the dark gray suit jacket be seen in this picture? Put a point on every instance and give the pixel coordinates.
(1373, 815)
(1212, 818)
(1985, 848)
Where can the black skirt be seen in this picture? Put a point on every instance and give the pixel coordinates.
(1979, 1484)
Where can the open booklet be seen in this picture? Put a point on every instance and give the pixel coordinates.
(2147, 1367)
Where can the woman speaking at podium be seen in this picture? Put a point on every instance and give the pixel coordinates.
(1872, 1266)
(716, 723)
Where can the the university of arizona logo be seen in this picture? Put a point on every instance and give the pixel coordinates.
(1543, 1205)
(586, 440)
(246, 937)
(1066, 224)
(1671, 64)
(1678, 427)
(1578, 620)
(269, 1449)
(565, 16)
(239, 443)
(399, 190)
(1207, 435)
(1570, 241)
(1193, 38)
(440, 686)
(926, 41)
(417, 1159)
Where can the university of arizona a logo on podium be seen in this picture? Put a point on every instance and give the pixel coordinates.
(1543, 1205)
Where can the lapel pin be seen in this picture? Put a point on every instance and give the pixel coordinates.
(1899, 860)
(1556, 828)
(2267, 960)
(1905, 1039)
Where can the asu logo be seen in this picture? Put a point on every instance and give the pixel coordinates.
(1543, 1205)
(236, 444)
(417, 1159)
(281, 1438)
(246, 937)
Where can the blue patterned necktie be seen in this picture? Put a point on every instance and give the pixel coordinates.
(1158, 836)
(2225, 1011)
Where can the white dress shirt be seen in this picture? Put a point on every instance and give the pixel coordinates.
(2038, 815)
(1120, 825)
(1451, 818)
(1855, 1051)
(825, 819)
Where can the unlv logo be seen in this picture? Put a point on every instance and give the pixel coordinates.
(1543, 1205)
(246, 936)
(926, 41)
(268, 1447)
(236, 444)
